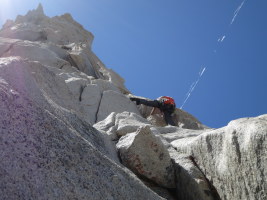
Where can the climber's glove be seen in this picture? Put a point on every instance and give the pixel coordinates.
(136, 100)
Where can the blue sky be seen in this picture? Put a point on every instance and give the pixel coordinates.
(160, 47)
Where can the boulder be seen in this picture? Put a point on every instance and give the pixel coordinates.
(120, 124)
(127, 122)
(112, 101)
(233, 157)
(146, 156)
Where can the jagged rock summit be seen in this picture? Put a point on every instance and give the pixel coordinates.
(68, 129)
(36, 26)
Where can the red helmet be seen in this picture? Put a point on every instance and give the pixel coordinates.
(166, 100)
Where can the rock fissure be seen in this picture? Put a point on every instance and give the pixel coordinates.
(81, 92)
(66, 47)
(237, 147)
(61, 67)
(166, 193)
(213, 190)
(71, 61)
(98, 107)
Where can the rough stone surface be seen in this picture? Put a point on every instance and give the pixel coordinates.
(120, 124)
(190, 182)
(157, 120)
(55, 155)
(233, 157)
(121, 104)
(145, 155)
(163, 192)
(107, 74)
(43, 85)
(172, 133)
(48, 54)
(105, 85)
(35, 26)
(90, 98)
(59, 42)
(187, 121)
(129, 122)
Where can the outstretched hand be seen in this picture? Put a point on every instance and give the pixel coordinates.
(136, 100)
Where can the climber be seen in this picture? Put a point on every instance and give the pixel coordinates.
(165, 104)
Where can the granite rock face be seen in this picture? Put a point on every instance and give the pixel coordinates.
(191, 183)
(36, 26)
(64, 117)
(213, 151)
(62, 64)
(208, 163)
(56, 155)
(48, 101)
(233, 157)
(106, 107)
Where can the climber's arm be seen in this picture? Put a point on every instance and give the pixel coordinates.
(151, 103)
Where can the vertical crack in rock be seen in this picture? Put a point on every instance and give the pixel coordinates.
(98, 71)
(259, 147)
(81, 92)
(237, 147)
(66, 47)
(95, 65)
(209, 146)
(213, 190)
(72, 62)
(98, 107)
(61, 67)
